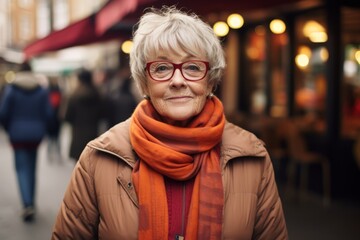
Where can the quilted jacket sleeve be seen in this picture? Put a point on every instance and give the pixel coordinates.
(78, 214)
(270, 221)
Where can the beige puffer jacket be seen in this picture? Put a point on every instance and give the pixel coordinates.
(100, 201)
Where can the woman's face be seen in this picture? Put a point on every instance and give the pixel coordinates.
(178, 100)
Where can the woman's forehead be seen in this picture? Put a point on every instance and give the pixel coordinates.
(176, 54)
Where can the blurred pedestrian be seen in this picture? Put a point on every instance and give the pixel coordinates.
(25, 112)
(84, 112)
(122, 101)
(55, 95)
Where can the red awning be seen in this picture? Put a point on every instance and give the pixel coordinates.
(88, 30)
(114, 11)
(79, 33)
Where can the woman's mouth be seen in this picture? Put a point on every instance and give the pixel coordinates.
(179, 99)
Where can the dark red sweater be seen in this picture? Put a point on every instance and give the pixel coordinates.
(178, 198)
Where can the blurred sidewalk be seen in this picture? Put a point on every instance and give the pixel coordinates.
(306, 220)
(309, 219)
(52, 179)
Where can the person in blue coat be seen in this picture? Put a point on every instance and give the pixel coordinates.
(25, 111)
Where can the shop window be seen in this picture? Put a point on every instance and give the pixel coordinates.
(310, 66)
(3, 41)
(61, 14)
(43, 18)
(255, 69)
(26, 27)
(278, 64)
(351, 72)
(25, 3)
(266, 75)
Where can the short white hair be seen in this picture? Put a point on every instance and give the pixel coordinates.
(170, 29)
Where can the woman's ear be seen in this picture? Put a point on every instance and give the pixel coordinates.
(142, 89)
(145, 93)
(211, 90)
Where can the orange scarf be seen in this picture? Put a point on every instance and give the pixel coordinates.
(180, 153)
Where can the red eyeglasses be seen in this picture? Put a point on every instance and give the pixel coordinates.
(193, 70)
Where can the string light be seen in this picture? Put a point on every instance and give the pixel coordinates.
(235, 21)
(126, 46)
(277, 26)
(221, 29)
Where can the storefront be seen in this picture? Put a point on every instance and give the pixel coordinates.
(309, 71)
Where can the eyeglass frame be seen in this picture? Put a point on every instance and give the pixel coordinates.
(178, 66)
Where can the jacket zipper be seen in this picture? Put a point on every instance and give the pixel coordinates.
(183, 210)
(183, 207)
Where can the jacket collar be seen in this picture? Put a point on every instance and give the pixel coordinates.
(116, 141)
(237, 142)
(29, 80)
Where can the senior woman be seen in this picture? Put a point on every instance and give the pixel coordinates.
(176, 169)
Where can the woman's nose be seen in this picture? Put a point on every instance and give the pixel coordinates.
(177, 79)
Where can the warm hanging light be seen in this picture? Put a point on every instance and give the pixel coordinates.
(357, 56)
(126, 46)
(302, 60)
(235, 21)
(221, 29)
(277, 26)
(324, 54)
(312, 26)
(318, 37)
(305, 50)
(315, 32)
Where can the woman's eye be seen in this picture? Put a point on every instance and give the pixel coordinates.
(162, 68)
(192, 67)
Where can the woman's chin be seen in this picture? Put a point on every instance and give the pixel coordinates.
(179, 118)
